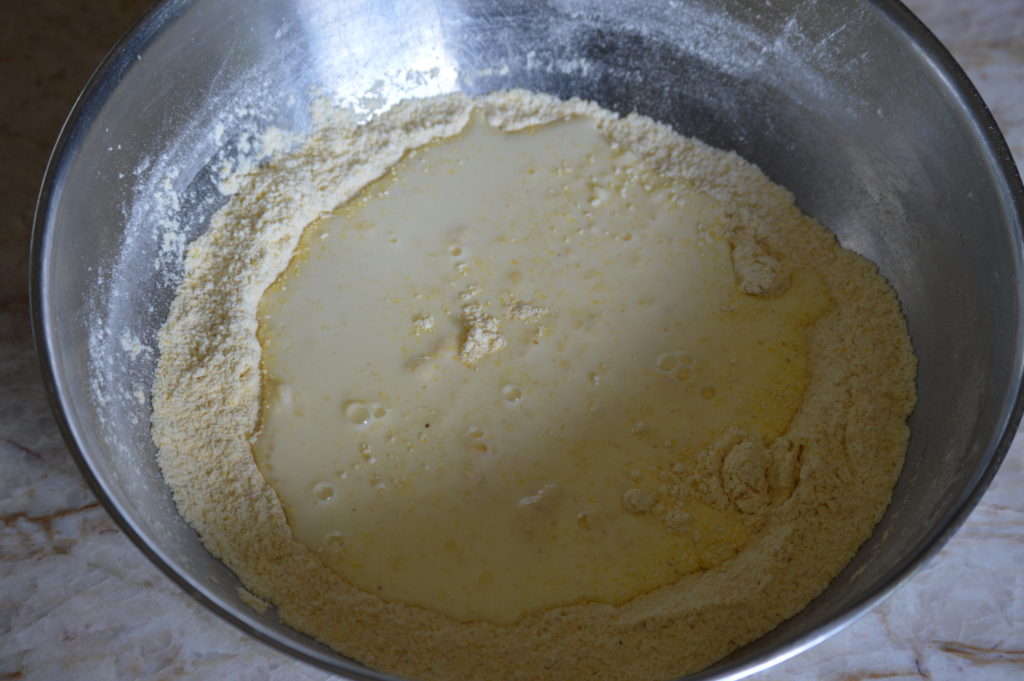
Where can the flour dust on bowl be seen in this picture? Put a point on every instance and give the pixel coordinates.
(696, 375)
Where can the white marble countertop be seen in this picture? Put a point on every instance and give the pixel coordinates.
(79, 601)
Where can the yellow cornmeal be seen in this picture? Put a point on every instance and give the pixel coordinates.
(560, 394)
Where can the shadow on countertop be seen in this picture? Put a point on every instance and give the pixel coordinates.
(48, 50)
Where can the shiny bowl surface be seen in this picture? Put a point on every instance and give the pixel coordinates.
(853, 106)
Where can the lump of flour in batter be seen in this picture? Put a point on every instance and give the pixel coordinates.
(518, 375)
(759, 273)
(481, 334)
(734, 472)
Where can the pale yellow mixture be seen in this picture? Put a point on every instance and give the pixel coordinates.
(558, 395)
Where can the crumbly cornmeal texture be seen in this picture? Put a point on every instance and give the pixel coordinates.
(810, 497)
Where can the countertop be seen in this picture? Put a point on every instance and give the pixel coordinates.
(79, 601)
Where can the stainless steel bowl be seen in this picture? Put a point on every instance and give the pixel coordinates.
(852, 105)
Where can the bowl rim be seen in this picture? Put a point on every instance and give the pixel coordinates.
(105, 79)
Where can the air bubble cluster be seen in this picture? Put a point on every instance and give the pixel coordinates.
(679, 365)
(475, 439)
(362, 413)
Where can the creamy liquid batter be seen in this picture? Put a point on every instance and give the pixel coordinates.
(475, 370)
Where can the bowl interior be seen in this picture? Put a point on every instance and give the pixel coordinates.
(853, 107)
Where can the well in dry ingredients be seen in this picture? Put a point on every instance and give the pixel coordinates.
(513, 387)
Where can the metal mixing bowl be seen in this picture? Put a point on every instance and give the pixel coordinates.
(852, 105)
